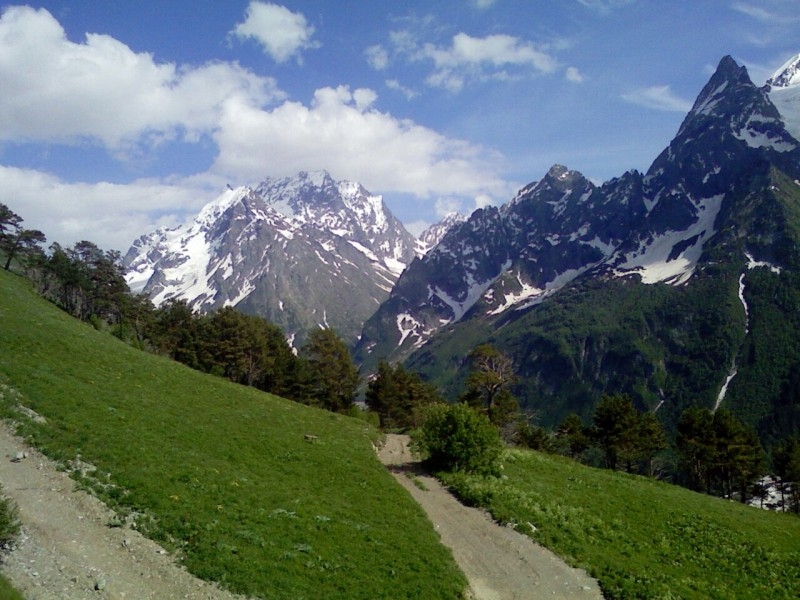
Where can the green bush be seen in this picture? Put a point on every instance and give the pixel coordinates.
(458, 438)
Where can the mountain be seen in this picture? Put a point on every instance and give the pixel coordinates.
(784, 92)
(675, 286)
(434, 234)
(303, 252)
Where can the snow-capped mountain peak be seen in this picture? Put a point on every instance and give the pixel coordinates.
(433, 235)
(291, 249)
(786, 76)
(212, 211)
(784, 92)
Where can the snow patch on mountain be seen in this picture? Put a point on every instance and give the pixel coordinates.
(191, 260)
(787, 75)
(406, 325)
(526, 292)
(672, 256)
(755, 138)
(429, 238)
(752, 263)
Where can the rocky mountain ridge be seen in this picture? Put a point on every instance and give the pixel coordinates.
(653, 227)
(293, 250)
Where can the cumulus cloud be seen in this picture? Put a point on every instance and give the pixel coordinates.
(108, 214)
(56, 90)
(281, 33)
(343, 133)
(447, 206)
(658, 97)
(468, 59)
(416, 228)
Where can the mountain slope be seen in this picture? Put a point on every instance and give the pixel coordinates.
(434, 234)
(220, 474)
(292, 250)
(640, 285)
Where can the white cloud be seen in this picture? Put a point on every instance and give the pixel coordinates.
(110, 215)
(394, 84)
(483, 4)
(756, 12)
(574, 75)
(281, 33)
(483, 58)
(484, 200)
(658, 97)
(605, 6)
(55, 90)
(467, 58)
(344, 134)
(416, 228)
(447, 206)
(377, 57)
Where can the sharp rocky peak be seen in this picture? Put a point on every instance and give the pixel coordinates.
(714, 100)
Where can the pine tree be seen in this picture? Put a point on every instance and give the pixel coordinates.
(574, 434)
(615, 429)
(399, 396)
(334, 376)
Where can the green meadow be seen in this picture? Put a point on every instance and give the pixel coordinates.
(268, 497)
(639, 537)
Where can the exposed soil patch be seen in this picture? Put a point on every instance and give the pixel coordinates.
(499, 562)
(68, 549)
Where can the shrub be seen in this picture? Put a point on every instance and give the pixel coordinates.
(458, 438)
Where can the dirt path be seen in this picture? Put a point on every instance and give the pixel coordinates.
(67, 551)
(499, 562)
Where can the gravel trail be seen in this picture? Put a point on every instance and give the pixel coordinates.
(499, 562)
(68, 551)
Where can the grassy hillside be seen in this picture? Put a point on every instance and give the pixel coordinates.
(642, 538)
(219, 473)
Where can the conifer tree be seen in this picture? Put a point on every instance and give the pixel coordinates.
(334, 377)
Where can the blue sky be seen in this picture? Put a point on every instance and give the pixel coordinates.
(119, 117)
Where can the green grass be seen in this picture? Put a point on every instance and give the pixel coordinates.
(639, 537)
(218, 473)
(7, 592)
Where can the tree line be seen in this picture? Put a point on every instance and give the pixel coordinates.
(713, 452)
